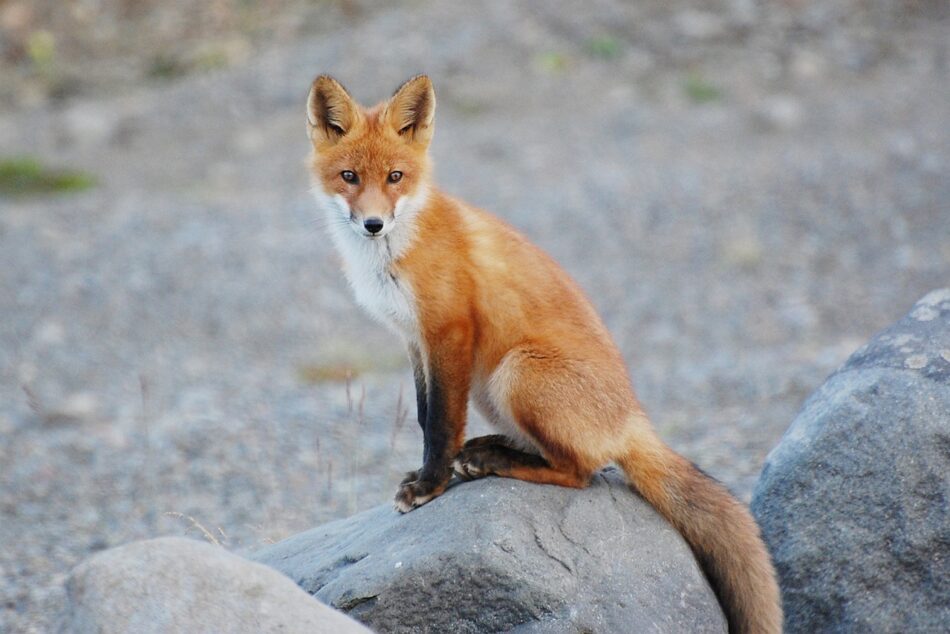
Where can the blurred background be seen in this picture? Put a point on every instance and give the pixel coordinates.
(746, 189)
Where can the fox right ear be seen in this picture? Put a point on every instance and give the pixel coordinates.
(331, 112)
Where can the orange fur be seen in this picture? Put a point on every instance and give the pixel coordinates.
(490, 316)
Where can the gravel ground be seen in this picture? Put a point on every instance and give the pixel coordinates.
(747, 195)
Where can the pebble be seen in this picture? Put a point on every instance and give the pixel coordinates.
(89, 123)
(781, 113)
(699, 25)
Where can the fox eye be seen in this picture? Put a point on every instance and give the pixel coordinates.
(395, 177)
(349, 176)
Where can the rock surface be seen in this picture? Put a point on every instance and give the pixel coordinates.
(182, 585)
(854, 501)
(499, 555)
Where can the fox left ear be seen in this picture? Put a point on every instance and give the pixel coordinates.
(411, 110)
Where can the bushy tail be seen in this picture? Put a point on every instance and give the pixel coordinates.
(721, 531)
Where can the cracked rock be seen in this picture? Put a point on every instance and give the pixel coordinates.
(499, 555)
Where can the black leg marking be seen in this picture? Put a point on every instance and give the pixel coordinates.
(442, 404)
(419, 377)
(411, 476)
(437, 432)
(418, 487)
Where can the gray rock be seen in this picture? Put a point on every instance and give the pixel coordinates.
(854, 500)
(182, 585)
(499, 555)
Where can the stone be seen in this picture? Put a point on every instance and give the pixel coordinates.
(779, 113)
(853, 502)
(89, 123)
(498, 555)
(173, 584)
(699, 25)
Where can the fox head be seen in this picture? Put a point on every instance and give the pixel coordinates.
(370, 166)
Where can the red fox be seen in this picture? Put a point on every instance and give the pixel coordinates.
(487, 315)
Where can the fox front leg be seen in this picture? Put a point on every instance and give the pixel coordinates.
(419, 378)
(446, 382)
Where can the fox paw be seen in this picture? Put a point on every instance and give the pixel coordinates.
(414, 493)
(471, 463)
(411, 476)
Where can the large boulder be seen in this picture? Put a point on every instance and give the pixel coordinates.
(854, 500)
(499, 555)
(173, 584)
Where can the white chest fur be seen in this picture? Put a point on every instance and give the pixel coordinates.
(369, 263)
(385, 296)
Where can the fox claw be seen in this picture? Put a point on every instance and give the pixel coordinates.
(415, 493)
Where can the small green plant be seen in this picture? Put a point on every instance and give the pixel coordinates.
(41, 51)
(211, 59)
(604, 47)
(27, 176)
(698, 90)
(166, 66)
(553, 62)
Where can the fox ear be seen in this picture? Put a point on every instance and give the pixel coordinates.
(411, 110)
(331, 112)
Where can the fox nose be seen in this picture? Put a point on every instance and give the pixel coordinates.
(373, 225)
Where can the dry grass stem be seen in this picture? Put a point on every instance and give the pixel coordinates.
(196, 524)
